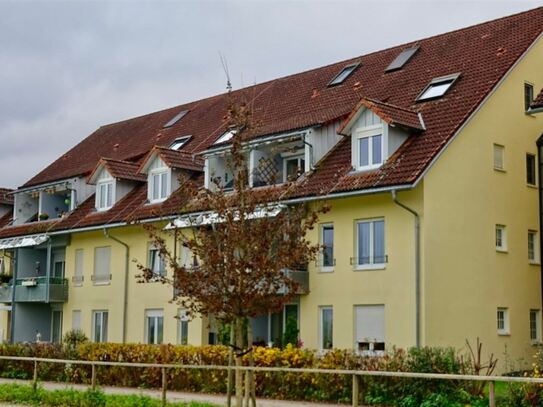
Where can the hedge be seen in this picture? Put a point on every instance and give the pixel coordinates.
(286, 386)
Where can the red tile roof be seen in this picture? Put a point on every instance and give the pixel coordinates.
(4, 197)
(304, 100)
(119, 169)
(538, 101)
(390, 114)
(6, 219)
(175, 159)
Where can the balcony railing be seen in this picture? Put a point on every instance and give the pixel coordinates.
(301, 277)
(34, 289)
(5, 293)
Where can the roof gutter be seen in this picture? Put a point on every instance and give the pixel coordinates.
(535, 110)
(417, 266)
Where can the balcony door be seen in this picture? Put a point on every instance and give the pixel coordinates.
(56, 326)
(59, 264)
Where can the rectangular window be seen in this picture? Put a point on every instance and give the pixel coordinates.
(326, 328)
(530, 170)
(102, 265)
(104, 199)
(293, 168)
(56, 326)
(182, 327)
(78, 269)
(370, 329)
(532, 246)
(370, 236)
(370, 152)
(503, 321)
(99, 326)
(76, 320)
(499, 157)
(501, 238)
(327, 242)
(156, 261)
(535, 330)
(154, 326)
(159, 186)
(528, 95)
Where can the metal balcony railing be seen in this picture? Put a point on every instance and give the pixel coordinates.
(41, 289)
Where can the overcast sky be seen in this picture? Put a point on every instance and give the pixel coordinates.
(67, 68)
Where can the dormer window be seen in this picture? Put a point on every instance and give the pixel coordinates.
(179, 143)
(104, 194)
(437, 87)
(293, 168)
(369, 142)
(159, 188)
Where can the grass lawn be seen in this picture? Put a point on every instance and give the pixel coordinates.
(25, 394)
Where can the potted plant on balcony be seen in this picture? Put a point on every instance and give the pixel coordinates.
(43, 216)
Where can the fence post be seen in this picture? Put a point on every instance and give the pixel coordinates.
(35, 375)
(491, 395)
(93, 377)
(164, 384)
(356, 390)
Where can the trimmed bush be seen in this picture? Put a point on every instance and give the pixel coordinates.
(287, 386)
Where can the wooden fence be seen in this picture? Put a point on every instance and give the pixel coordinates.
(356, 374)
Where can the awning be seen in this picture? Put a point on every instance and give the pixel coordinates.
(210, 218)
(23, 241)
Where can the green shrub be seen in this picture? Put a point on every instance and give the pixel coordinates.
(279, 385)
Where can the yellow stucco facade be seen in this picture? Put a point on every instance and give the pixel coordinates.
(464, 279)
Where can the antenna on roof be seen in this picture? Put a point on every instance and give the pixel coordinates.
(225, 68)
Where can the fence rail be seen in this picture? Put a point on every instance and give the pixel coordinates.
(356, 374)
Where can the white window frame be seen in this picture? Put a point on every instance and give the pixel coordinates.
(100, 315)
(371, 351)
(182, 326)
(533, 258)
(535, 170)
(162, 271)
(369, 132)
(101, 278)
(501, 149)
(297, 157)
(501, 246)
(504, 330)
(321, 326)
(442, 80)
(323, 268)
(371, 265)
(79, 265)
(105, 183)
(76, 317)
(154, 313)
(537, 314)
(151, 181)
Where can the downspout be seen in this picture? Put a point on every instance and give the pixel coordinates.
(539, 144)
(417, 265)
(126, 272)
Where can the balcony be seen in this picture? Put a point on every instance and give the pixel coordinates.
(35, 289)
(301, 277)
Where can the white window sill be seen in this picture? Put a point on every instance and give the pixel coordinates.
(156, 201)
(536, 342)
(504, 333)
(501, 250)
(368, 267)
(534, 262)
(103, 209)
(502, 170)
(101, 282)
(326, 270)
(532, 186)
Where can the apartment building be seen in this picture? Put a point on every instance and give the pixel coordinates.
(428, 153)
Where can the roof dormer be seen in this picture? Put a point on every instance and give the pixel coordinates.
(162, 167)
(377, 130)
(113, 179)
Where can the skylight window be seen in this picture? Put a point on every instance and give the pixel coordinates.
(226, 136)
(179, 143)
(402, 59)
(438, 87)
(344, 74)
(176, 118)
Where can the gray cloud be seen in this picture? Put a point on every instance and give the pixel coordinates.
(68, 67)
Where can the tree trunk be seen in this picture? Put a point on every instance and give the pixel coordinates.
(231, 342)
(251, 381)
(239, 361)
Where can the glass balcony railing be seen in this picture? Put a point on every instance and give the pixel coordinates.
(36, 289)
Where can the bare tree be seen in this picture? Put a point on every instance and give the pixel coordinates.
(242, 249)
